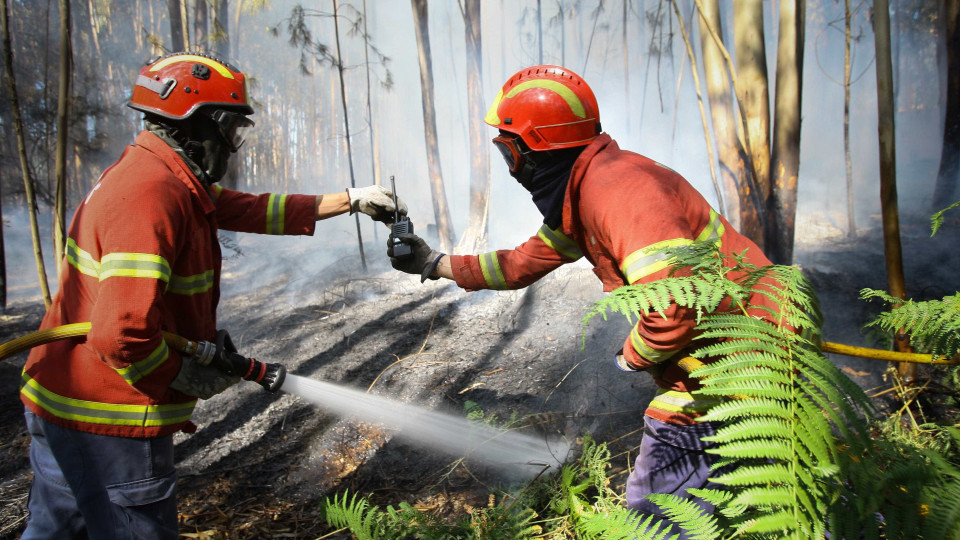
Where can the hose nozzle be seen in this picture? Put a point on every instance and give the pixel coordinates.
(269, 376)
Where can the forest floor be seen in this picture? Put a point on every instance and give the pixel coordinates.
(260, 464)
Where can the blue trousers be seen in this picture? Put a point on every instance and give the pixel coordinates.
(99, 487)
(671, 460)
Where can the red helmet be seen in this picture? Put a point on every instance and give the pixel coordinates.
(174, 86)
(548, 107)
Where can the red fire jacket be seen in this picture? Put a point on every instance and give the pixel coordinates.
(617, 205)
(142, 257)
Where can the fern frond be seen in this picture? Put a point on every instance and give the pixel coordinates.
(621, 524)
(689, 516)
(356, 514)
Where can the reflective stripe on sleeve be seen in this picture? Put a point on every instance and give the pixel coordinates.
(651, 259)
(141, 265)
(674, 401)
(187, 285)
(492, 274)
(559, 242)
(138, 370)
(105, 413)
(81, 260)
(648, 353)
(276, 212)
(216, 190)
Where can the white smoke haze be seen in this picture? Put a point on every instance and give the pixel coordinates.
(653, 111)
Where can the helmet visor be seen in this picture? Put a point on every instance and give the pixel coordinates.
(510, 150)
(233, 127)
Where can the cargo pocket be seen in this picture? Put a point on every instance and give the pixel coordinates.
(145, 509)
(142, 492)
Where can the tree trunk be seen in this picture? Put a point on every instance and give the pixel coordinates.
(221, 26)
(703, 113)
(475, 236)
(893, 254)
(200, 26)
(176, 25)
(752, 77)
(22, 152)
(946, 186)
(371, 131)
(346, 124)
(785, 158)
(847, 160)
(441, 211)
(721, 112)
(60, 168)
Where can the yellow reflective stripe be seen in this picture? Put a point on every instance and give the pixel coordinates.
(714, 230)
(649, 260)
(141, 265)
(559, 242)
(492, 274)
(105, 413)
(492, 117)
(187, 285)
(682, 402)
(217, 190)
(138, 370)
(576, 106)
(646, 351)
(276, 212)
(81, 260)
(220, 68)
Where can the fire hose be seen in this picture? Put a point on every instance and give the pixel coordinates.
(269, 376)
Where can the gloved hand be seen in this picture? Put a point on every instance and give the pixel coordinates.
(202, 381)
(422, 261)
(622, 363)
(376, 202)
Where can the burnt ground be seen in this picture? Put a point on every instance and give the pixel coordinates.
(261, 463)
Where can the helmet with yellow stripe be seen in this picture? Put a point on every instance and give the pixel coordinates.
(176, 85)
(548, 107)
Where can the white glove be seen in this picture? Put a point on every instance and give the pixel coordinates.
(376, 202)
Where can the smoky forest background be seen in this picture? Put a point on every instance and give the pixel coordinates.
(826, 130)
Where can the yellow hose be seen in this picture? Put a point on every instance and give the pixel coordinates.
(892, 356)
(41, 337)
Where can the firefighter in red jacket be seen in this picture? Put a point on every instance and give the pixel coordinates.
(142, 257)
(616, 208)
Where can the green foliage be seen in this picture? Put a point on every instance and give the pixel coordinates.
(936, 221)
(933, 326)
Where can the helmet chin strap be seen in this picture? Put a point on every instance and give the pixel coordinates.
(202, 161)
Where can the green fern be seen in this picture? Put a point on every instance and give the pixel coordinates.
(933, 326)
(782, 401)
(937, 219)
(366, 522)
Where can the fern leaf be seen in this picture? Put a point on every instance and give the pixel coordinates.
(758, 476)
(689, 516)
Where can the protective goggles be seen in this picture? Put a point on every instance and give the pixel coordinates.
(513, 150)
(232, 126)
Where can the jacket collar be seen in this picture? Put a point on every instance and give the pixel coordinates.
(175, 163)
(571, 200)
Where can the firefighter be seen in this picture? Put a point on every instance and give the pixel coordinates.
(142, 257)
(615, 208)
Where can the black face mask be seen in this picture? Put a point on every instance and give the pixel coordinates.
(199, 140)
(547, 182)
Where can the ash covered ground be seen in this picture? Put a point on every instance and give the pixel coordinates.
(260, 463)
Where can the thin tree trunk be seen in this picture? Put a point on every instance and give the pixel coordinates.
(624, 40)
(847, 160)
(785, 158)
(176, 25)
(221, 26)
(60, 168)
(346, 124)
(946, 186)
(893, 253)
(539, 32)
(475, 236)
(22, 152)
(371, 132)
(753, 83)
(721, 111)
(440, 209)
(200, 34)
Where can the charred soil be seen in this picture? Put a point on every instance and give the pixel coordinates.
(260, 464)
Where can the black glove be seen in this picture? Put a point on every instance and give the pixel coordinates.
(422, 261)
